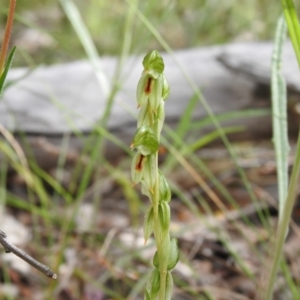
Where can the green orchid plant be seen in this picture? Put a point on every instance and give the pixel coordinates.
(152, 91)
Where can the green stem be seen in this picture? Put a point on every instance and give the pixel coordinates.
(7, 33)
(159, 238)
(162, 242)
(284, 223)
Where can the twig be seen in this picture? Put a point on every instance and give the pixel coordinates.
(12, 248)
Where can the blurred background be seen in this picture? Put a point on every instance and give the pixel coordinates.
(109, 261)
(44, 35)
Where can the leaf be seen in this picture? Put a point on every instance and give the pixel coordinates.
(7, 67)
(148, 224)
(169, 286)
(155, 95)
(149, 172)
(165, 88)
(164, 216)
(147, 296)
(143, 117)
(164, 188)
(155, 260)
(292, 21)
(145, 190)
(160, 116)
(153, 284)
(279, 116)
(173, 254)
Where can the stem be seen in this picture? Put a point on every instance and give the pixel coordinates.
(7, 33)
(161, 241)
(151, 93)
(159, 238)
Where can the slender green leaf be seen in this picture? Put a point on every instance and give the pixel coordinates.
(173, 254)
(155, 260)
(153, 284)
(279, 115)
(164, 216)
(148, 224)
(210, 137)
(169, 286)
(7, 66)
(278, 91)
(292, 21)
(164, 188)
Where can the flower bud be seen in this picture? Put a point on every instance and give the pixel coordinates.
(137, 165)
(153, 64)
(173, 254)
(149, 172)
(155, 94)
(145, 140)
(141, 96)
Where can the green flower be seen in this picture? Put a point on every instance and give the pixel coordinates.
(145, 140)
(153, 64)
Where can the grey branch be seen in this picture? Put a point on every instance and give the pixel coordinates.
(12, 248)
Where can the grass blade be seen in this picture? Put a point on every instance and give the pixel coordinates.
(292, 21)
(82, 32)
(279, 115)
(7, 66)
(286, 206)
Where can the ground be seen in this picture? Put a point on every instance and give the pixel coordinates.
(224, 234)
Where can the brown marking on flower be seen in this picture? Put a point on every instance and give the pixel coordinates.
(139, 165)
(148, 85)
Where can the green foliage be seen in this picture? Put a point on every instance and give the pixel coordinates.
(6, 69)
(174, 254)
(148, 224)
(292, 21)
(154, 65)
(153, 285)
(279, 113)
(287, 193)
(145, 140)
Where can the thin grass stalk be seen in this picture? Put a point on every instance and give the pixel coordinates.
(279, 115)
(284, 220)
(87, 42)
(284, 224)
(109, 94)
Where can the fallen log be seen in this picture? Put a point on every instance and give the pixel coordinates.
(52, 101)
